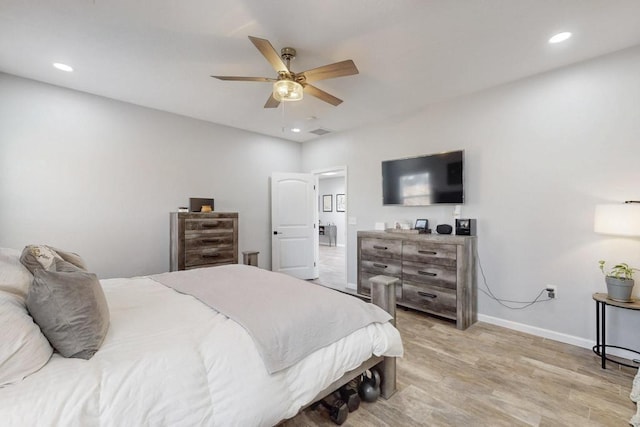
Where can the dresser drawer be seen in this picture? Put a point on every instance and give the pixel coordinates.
(432, 253)
(380, 248)
(203, 224)
(433, 299)
(365, 285)
(209, 256)
(430, 274)
(199, 240)
(388, 267)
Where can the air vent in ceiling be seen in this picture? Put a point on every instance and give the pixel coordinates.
(320, 131)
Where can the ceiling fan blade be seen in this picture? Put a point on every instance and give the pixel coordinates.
(320, 94)
(245, 79)
(338, 69)
(265, 48)
(272, 102)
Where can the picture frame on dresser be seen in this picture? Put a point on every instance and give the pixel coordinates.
(327, 203)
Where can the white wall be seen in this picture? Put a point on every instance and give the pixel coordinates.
(99, 176)
(333, 186)
(539, 155)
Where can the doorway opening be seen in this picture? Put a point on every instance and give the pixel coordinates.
(332, 227)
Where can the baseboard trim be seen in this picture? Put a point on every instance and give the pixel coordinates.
(540, 332)
(553, 335)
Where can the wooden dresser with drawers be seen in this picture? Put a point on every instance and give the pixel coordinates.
(436, 272)
(201, 239)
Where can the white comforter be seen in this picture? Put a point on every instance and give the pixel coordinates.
(170, 360)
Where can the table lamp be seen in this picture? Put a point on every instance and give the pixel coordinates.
(622, 219)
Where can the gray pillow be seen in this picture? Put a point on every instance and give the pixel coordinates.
(70, 307)
(36, 257)
(71, 257)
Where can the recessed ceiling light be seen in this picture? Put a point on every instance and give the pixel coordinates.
(560, 37)
(63, 67)
(296, 130)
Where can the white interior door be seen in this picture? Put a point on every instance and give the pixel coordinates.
(294, 224)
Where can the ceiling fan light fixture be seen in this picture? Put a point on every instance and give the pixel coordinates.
(287, 90)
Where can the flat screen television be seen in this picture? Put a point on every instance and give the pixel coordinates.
(424, 180)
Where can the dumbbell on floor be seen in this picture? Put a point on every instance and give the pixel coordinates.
(338, 409)
(349, 395)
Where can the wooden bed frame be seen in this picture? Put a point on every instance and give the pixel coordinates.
(383, 294)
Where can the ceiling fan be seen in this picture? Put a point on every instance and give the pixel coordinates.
(290, 86)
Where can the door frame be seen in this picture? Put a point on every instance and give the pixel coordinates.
(342, 169)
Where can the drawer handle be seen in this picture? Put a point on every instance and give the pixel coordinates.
(210, 255)
(384, 248)
(379, 265)
(427, 273)
(428, 252)
(427, 294)
(210, 240)
(209, 224)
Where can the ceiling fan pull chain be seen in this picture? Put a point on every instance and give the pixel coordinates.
(283, 116)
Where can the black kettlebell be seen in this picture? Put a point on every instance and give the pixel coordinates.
(369, 389)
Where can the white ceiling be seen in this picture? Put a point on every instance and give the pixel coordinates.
(410, 53)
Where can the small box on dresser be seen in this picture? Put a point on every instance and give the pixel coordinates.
(203, 239)
(436, 272)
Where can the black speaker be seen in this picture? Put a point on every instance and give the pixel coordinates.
(466, 227)
(444, 229)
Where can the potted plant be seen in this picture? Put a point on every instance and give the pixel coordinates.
(619, 281)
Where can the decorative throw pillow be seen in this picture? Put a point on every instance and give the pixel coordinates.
(70, 307)
(14, 277)
(24, 349)
(36, 257)
(71, 257)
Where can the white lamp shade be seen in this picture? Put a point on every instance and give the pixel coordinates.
(287, 90)
(620, 219)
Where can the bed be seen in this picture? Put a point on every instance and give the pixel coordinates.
(168, 358)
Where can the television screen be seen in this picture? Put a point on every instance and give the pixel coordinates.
(424, 180)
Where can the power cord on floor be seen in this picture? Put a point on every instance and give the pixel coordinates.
(501, 301)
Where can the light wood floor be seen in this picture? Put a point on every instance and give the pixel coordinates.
(485, 376)
(332, 267)
(492, 376)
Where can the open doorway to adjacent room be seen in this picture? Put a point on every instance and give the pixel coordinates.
(332, 227)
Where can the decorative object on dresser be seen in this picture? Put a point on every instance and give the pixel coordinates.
(203, 239)
(201, 205)
(465, 227)
(444, 229)
(436, 271)
(422, 225)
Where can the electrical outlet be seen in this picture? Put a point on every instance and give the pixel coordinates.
(552, 291)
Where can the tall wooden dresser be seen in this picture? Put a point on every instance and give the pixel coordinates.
(200, 239)
(436, 272)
